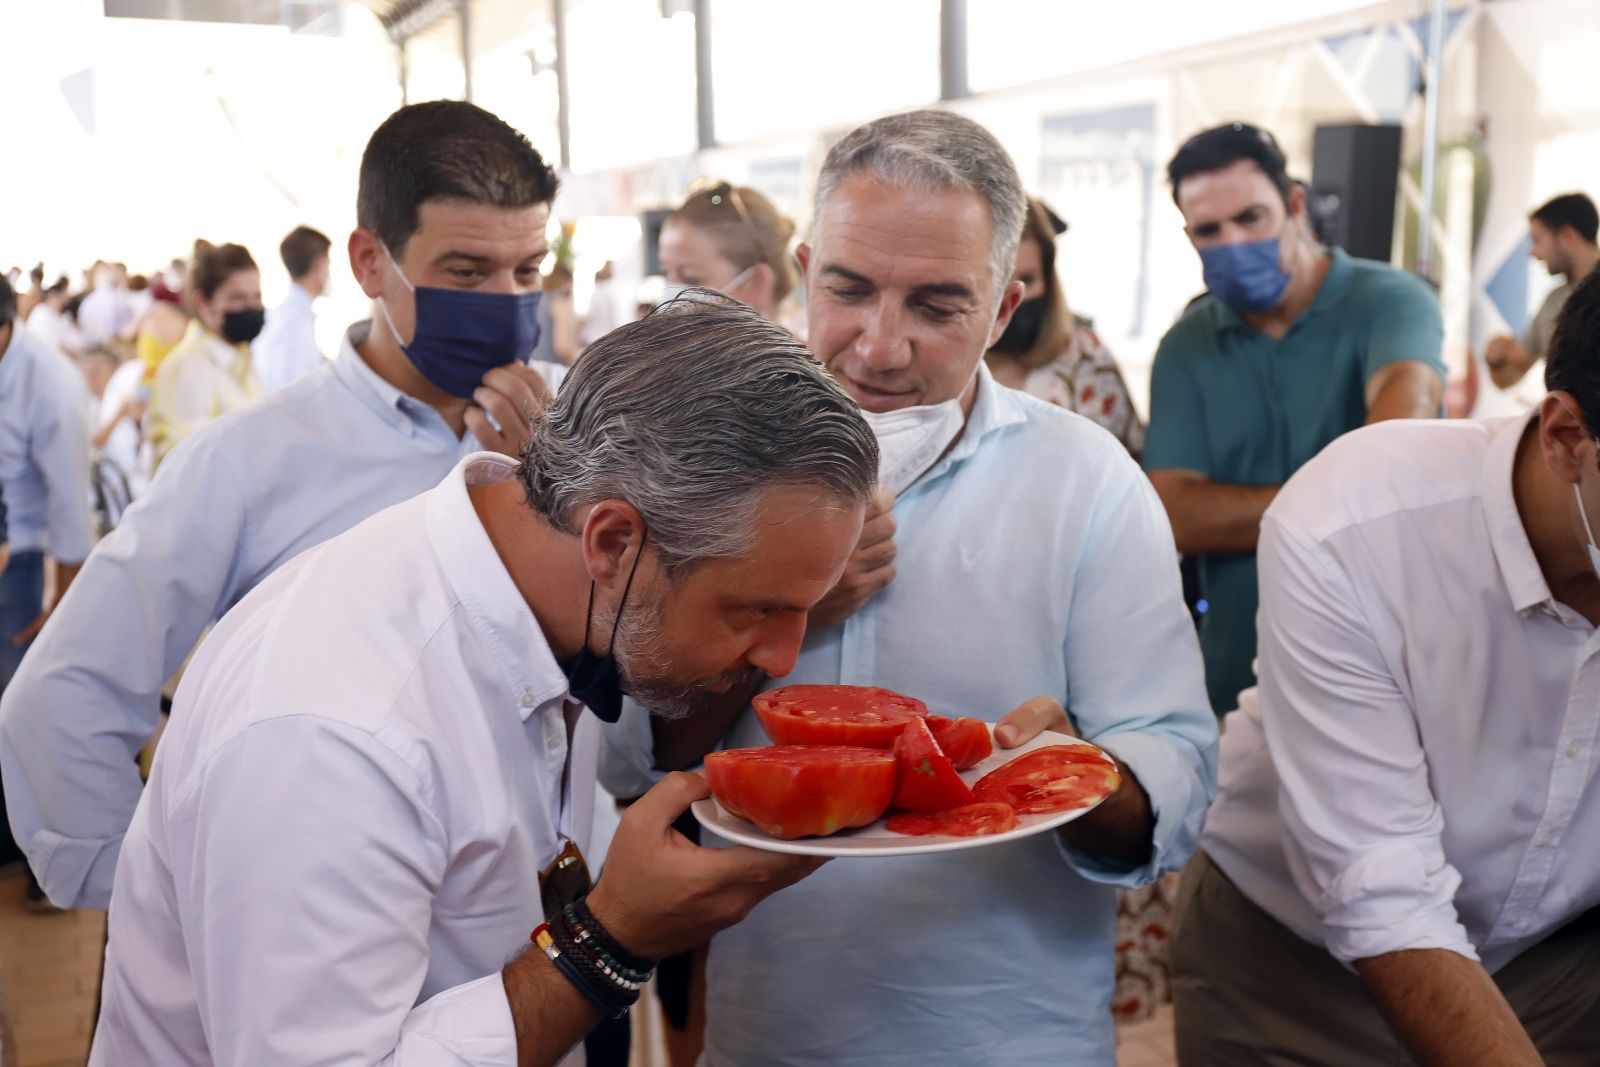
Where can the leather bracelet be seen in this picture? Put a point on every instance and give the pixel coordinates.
(580, 908)
(620, 992)
(594, 946)
(564, 963)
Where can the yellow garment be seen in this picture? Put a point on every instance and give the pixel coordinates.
(151, 350)
(203, 377)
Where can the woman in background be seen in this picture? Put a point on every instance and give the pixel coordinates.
(209, 373)
(1048, 352)
(732, 239)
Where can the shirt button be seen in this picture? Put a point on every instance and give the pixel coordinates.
(1573, 750)
(552, 741)
(527, 700)
(1546, 841)
(1513, 920)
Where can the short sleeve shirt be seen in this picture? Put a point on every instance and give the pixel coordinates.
(1234, 404)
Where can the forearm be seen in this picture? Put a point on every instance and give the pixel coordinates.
(1446, 1010)
(548, 1012)
(682, 744)
(103, 434)
(1406, 390)
(1121, 830)
(65, 573)
(1213, 517)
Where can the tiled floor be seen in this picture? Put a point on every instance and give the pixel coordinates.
(49, 964)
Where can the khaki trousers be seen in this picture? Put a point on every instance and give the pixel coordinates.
(1248, 992)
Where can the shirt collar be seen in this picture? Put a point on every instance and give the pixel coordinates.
(219, 351)
(298, 297)
(1509, 538)
(993, 409)
(481, 583)
(366, 383)
(1335, 284)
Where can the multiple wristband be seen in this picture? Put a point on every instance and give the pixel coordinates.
(590, 958)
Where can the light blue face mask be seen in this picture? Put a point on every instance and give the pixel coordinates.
(1248, 276)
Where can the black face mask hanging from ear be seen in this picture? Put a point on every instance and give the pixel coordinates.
(596, 681)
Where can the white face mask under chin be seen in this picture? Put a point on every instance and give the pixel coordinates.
(1594, 552)
(911, 440)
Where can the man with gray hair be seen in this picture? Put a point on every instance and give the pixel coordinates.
(381, 752)
(1023, 572)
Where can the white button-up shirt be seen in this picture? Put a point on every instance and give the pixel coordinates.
(1419, 771)
(287, 347)
(341, 842)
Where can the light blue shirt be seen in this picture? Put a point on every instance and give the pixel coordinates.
(1033, 559)
(287, 348)
(232, 504)
(44, 450)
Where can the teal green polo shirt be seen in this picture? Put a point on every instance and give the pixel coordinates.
(1230, 402)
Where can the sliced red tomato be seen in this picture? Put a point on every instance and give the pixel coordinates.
(836, 715)
(969, 820)
(794, 791)
(1051, 779)
(965, 741)
(928, 780)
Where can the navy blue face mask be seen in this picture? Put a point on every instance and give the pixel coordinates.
(461, 334)
(1246, 277)
(596, 681)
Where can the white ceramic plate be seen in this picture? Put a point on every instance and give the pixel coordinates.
(877, 839)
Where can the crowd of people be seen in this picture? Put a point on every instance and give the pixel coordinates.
(1353, 797)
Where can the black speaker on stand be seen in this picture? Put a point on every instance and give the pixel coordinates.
(1355, 174)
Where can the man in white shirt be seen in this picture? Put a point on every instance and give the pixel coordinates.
(287, 347)
(376, 754)
(1414, 793)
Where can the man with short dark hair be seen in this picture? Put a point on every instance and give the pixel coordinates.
(1413, 795)
(287, 347)
(1562, 235)
(453, 202)
(1294, 345)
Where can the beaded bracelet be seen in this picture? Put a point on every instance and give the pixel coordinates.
(565, 963)
(580, 909)
(602, 979)
(591, 943)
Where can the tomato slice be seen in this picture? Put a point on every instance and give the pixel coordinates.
(794, 791)
(969, 820)
(928, 780)
(836, 715)
(1051, 779)
(965, 741)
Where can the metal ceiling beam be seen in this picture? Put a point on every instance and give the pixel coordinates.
(407, 18)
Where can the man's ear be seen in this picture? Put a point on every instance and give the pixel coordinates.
(367, 261)
(613, 536)
(1564, 439)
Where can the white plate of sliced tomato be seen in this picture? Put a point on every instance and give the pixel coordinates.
(867, 772)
